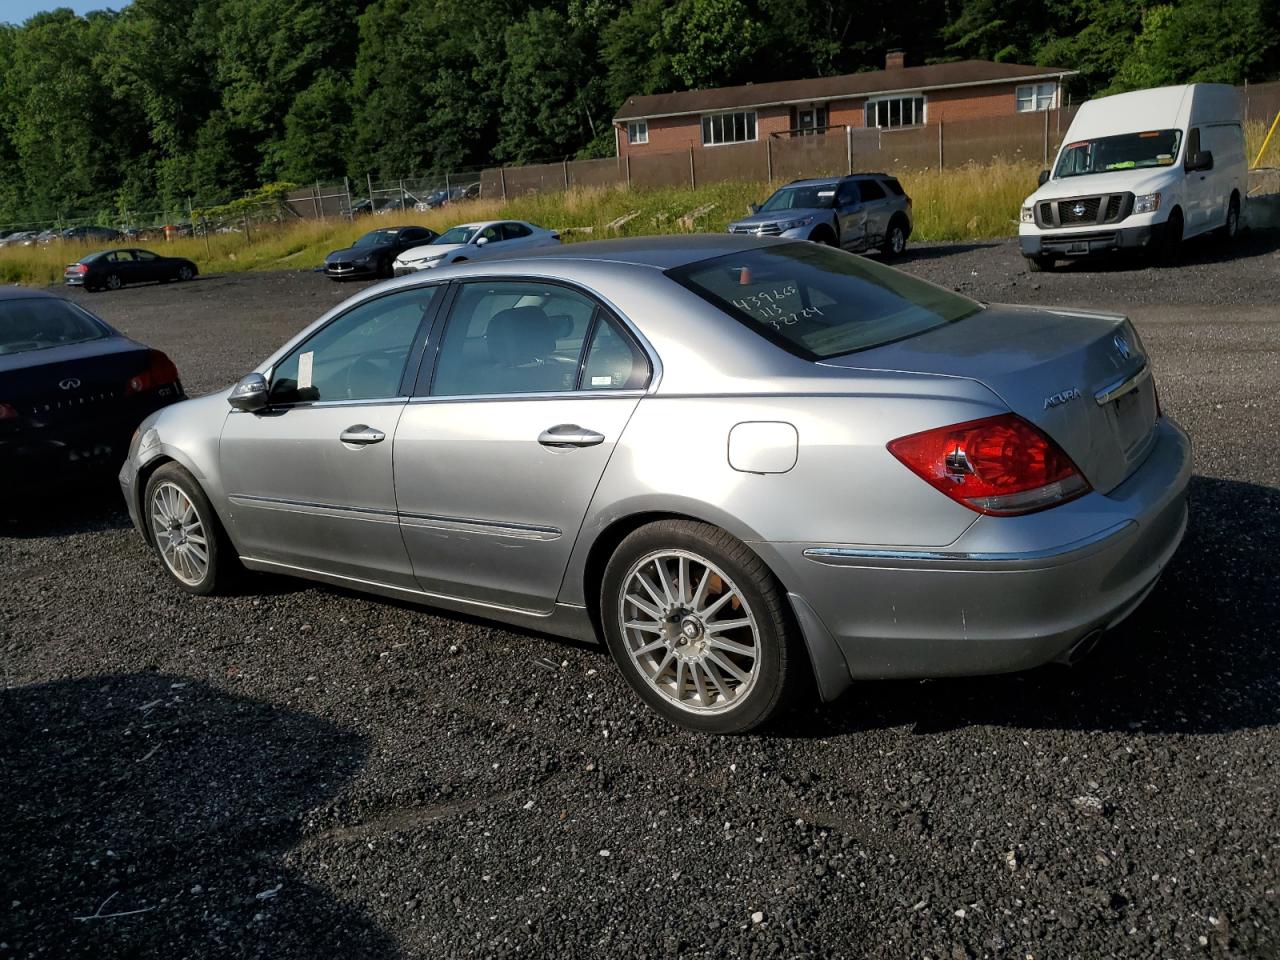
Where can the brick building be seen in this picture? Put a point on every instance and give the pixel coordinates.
(895, 97)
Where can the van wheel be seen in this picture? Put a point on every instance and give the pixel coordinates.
(1171, 238)
(1039, 264)
(1232, 226)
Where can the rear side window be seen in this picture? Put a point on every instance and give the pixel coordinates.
(870, 190)
(817, 302)
(614, 362)
(894, 187)
(39, 323)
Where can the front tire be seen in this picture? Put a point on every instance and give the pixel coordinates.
(1039, 264)
(185, 273)
(185, 531)
(1171, 238)
(114, 282)
(697, 624)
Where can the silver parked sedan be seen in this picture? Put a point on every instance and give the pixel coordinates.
(739, 460)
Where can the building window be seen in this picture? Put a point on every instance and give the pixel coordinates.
(1037, 96)
(895, 112)
(728, 128)
(638, 131)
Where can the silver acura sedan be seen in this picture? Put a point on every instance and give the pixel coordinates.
(751, 465)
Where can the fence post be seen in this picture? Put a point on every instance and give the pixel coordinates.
(1046, 138)
(565, 164)
(369, 180)
(502, 174)
(628, 158)
(346, 188)
(315, 201)
(693, 180)
(446, 184)
(939, 145)
(848, 146)
(768, 157)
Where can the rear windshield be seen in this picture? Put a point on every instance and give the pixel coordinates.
(38, 323)
(1125, 151)
(818, 302)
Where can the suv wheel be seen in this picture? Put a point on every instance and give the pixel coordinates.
(697, 625)
(895, 241)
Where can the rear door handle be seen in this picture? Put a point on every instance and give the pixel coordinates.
(361, 434)
(569, 435)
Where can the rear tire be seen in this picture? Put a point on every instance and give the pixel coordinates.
(1231, 228)
(186, 533)
(895, 241)
(724, 656)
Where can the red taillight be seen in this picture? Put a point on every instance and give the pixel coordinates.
(160, 372)
(999, 465)
(8, 412)
(77, 268)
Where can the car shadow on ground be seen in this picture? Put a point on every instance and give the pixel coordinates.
(147, 815)
(1200, 656)
(1198, 251)
(58, 512)
(918, 252)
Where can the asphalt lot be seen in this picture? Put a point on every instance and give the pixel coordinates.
(296, 771)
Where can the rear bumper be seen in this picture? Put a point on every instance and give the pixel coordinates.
(1010, 594)
(1081, 243)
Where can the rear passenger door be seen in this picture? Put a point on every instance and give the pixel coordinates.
(500, 450)
(516, 236)
(875, 206)
(123, 265)
(152, 267)
(850, 213)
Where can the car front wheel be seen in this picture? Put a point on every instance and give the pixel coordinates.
(185, 531)
(697, 625)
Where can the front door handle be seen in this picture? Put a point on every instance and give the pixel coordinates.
(361, 434)
(569, 435)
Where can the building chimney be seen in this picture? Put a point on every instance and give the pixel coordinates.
(895, 59)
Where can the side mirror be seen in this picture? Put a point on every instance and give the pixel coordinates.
(481, 241)
(1202, 160)
(250, 394)
(753, 207)
(1043, 178)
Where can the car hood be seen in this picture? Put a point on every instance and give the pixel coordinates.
(1139, 182)
(430, 250)
(777, 216)
(355, 253)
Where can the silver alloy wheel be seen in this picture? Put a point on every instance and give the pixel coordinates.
(113, 282)
(689, 631)
(179, 533)
(897, 240)
(1233, 221)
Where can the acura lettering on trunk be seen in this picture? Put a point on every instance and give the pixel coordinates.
(737, 461)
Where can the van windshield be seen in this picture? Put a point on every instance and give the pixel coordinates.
(1125, 151)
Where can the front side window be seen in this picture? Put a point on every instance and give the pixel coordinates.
(889, 112)
(738, 127)
(1125, 151)
(359, 356)
(38, 323)
(817, 302)
(1037, 96)
(638, 131)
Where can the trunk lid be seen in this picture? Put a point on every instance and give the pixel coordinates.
(1076, 375)
(72, 382)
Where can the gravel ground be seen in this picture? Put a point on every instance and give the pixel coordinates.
(296, 771)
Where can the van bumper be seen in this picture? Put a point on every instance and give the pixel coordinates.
(1083, 243)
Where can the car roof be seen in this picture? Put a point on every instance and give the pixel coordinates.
(15, 292)
(818, 181)
(661, 253)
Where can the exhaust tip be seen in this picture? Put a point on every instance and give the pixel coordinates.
(1082, 648)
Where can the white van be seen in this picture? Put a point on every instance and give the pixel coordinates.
(1140, 170)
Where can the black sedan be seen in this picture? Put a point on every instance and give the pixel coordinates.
(72, 390)
(373, 254)
(112, 269)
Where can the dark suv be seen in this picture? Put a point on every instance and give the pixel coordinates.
(858, 212)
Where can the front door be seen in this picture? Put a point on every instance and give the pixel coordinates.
(310, 479)
(1197, 188)
(498, 457)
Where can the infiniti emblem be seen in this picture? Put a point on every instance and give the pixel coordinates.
(1078, 209)
(1122, 346)
(71, 383)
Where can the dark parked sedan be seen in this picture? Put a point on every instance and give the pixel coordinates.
(374, 253)
(112, 269)
(72, 390)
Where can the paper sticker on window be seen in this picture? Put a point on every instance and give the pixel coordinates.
(304, 369)
(826, 193)
(602, 381)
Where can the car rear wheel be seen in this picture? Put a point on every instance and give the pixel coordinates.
(895, 241)
(697, 625)
(114, 282)
(1232, 225)
(186, 532)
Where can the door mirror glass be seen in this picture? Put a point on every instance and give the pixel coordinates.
(1043, 178)
(250, 394)
(1200, 160)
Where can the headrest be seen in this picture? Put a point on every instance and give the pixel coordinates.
(519, 335)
